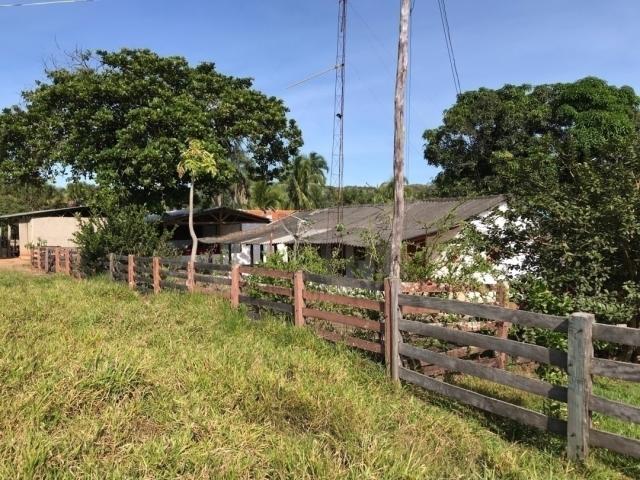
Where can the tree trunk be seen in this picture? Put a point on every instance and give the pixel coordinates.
(194, 237)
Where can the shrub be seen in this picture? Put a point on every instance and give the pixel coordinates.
(120, 230)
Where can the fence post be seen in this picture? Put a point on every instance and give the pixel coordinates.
(387, 325)
(191, 279)
(394, 331)
(57, 260)
(235, 285)
(298, 298)
(46, 260)
(502, 328)
(68, 258)
(112, 266)
(131, 272)
(580, 352)
(156, 274)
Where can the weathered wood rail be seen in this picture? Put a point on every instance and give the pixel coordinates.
(56, 260)
(423, 341)
(578, 362)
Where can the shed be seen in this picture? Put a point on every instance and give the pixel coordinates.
(53, 227)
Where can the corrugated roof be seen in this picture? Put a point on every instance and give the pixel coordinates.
(319, 226)
(54, 212)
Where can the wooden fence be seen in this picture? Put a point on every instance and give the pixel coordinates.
(578, 362)
(430, 335)
(56, 260)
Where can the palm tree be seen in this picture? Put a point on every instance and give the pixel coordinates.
(266, 196)
(305, 181)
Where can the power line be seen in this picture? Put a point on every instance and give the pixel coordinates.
(447, 40)
(38, 4)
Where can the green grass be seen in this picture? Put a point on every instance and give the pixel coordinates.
(100, 382)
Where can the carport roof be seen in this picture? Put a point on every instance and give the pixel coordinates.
(54, 212)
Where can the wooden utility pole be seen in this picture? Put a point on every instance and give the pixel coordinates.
(398, 176)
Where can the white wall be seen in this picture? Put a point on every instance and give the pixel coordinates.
(23, 238)
(53, 231)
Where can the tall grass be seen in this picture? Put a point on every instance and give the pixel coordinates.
(100, 382)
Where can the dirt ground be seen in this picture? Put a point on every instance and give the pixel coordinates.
(15, 264)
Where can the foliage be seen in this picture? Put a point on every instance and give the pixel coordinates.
(383, 193)
(197, 160)
(568, 157)
(121, 230)
(103, 383)
(305, 181)
(267, 196)
(458, 260)
(308, 259)
(26, 197)
(122, 118)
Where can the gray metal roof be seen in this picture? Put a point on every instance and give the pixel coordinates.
(54, 212)
(361, 221)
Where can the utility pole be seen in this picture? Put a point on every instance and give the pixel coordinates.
(398, 141)
(398, 175)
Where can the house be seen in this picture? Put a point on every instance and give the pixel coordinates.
(211, 222)
(54, 227)
(361, 228)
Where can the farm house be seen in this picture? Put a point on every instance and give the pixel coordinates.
(362, 227)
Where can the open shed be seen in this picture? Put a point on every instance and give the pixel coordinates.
(53, 227)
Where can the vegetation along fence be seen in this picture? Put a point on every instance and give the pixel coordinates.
(432, 332)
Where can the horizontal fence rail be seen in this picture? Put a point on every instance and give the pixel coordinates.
(429, 335)
(56, 260)
(579, 363)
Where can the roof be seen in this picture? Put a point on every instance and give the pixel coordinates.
(320, 226)
(273, 215)
(211, 215)
(54, 212)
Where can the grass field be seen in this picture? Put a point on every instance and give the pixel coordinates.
(100, 382)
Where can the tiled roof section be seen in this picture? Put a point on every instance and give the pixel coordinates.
(273, 215)
(360, 221)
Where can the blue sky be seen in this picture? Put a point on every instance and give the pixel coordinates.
(280, 42)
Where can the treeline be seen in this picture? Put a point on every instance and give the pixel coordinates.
(566, 156)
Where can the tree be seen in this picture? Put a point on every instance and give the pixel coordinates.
(196, 161)
(27, 197)
(122, 119)
(119, 229)
(305, 181)
(266, 196)
(568, 158)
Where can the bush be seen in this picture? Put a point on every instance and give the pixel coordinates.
(120, 230)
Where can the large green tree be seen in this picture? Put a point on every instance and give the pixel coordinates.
(122, 118)
(568, 158)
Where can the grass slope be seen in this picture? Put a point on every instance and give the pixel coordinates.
(100, 382)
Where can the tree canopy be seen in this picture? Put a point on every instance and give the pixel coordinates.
(568, 158)
(122, 118)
